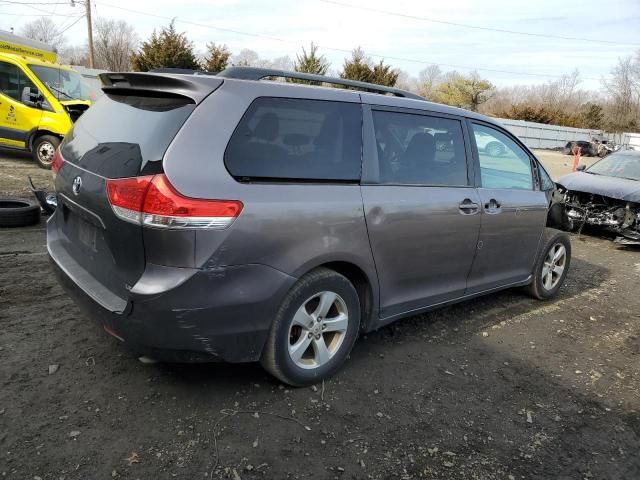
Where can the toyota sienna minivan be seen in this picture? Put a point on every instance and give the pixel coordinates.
(229, 217)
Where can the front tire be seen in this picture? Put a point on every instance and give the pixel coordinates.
(552, 265)
(314, 329)
(44, 147)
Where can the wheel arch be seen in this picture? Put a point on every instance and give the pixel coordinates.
(39, 132)
(365, 286)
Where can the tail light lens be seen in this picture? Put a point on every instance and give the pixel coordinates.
(56, 163)
(153, 201)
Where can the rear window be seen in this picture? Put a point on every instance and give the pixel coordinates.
(293, 139)
(124, 135)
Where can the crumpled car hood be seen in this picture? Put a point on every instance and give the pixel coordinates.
(614, 187)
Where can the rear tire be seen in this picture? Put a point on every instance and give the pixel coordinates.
(18, 213)
(43, 149)
(314, 329)
(552, 265)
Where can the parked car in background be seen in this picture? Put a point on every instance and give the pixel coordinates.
(588, 149)
(607, 195)
(223, 217)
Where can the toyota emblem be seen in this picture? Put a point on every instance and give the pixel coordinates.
(77, 184)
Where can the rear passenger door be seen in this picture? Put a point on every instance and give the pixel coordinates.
(514, 210)
(421, 209)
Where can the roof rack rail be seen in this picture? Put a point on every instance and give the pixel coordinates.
(254, 73)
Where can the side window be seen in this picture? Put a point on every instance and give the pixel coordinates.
(286, 138)
(13, 81)
(545, 180)
(416, 149)
(503, 163)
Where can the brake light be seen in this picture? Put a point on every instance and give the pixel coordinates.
(153, 201)
(56, 163)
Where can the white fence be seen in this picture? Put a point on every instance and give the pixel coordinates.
(540, 135)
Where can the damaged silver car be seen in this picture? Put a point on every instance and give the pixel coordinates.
(607, 195)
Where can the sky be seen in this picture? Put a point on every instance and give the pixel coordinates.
(408, 34)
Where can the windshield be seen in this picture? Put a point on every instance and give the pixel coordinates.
(618, 165)
(63, 84)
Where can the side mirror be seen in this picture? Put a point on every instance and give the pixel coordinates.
(581, 168)
(31, 97)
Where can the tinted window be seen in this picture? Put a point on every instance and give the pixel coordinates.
(419, 149)
(545, 180)
(503, 163)
(123, 135)
(283, 138)
(13, 81)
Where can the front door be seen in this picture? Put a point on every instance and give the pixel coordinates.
(514, 211)
(422, 212)
(16, 118)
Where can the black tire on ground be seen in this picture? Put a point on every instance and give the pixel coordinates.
(18, 213)
(276, 358)
(43, 148)
(553, 241)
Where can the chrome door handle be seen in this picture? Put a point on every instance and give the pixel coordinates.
(492, 206)
(468, 207)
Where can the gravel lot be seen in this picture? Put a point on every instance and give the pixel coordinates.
(503, 387)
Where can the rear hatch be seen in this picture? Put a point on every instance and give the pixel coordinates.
(124, 135)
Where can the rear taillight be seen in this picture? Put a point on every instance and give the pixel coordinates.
(153, 201)
(56, 163)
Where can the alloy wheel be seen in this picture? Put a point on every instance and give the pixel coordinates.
(318, 330)
(553, 266)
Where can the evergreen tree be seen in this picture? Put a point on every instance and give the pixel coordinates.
(360, 67)
(167, 49)
(217, 58)
(357, 67)
(384, 75)
(311, 62)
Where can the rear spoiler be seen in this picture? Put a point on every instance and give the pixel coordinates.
(194, 87)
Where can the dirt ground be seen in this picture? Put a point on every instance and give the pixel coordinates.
(503, 387)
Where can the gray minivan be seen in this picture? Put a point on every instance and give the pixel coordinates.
(226, 217)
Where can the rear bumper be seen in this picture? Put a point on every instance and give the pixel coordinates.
(220, 314)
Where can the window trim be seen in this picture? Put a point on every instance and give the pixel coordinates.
(532, 159)
(371, 164)
(291, 180)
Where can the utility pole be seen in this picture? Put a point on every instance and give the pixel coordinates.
(89, 31)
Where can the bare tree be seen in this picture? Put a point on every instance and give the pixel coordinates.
(74, 55)
(246, 58)
(114, 43)
(428, 80)
(45, 30)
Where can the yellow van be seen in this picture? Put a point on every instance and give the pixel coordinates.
(39, 98)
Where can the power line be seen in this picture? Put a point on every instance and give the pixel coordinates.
(477, 27)
(342, 50)
(80, 17)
